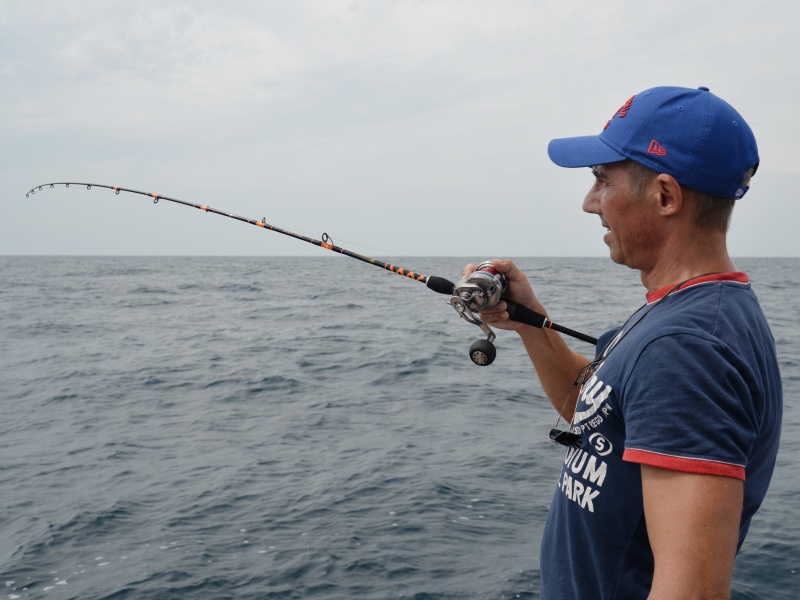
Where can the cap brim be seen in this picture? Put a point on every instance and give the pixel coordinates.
(585, 151)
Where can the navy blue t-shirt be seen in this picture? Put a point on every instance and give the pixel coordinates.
(693, 386)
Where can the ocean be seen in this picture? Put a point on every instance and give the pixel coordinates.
(201, 427)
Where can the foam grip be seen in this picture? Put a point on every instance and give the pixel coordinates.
(520, 314)
(440, 285)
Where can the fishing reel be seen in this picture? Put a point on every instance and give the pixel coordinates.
(483, 288)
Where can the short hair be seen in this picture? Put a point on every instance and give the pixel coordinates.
(712, 212)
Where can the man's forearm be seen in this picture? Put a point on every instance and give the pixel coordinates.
(557, 367)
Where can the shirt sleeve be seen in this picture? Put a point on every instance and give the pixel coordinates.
(688, 407)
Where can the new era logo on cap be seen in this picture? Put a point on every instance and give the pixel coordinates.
(657, 149)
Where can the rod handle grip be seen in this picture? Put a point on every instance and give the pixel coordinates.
(520, 314)
(530, 317)
(440, 285)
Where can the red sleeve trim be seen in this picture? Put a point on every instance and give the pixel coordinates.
(686, 465)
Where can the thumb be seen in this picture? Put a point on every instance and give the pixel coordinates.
(509, 269)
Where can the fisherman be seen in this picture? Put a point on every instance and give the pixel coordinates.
(674, 425)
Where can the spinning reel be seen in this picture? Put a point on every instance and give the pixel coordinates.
(483, 288)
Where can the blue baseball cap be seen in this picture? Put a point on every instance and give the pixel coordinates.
(690, 134)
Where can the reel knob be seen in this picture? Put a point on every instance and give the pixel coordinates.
(482, 352)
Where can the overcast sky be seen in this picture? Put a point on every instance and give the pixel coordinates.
(416, 127)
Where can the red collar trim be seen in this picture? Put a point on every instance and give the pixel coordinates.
(736, 276)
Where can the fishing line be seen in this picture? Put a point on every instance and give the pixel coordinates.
(482, 289)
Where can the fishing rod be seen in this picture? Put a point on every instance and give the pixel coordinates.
(481, 289)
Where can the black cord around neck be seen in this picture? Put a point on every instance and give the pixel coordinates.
(569, 438)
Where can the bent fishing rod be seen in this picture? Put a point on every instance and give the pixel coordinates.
(481, 289)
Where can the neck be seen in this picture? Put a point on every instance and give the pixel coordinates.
(683, 259)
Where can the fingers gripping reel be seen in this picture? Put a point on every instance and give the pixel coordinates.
(483, 288)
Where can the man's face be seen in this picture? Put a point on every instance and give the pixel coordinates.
(632, 230)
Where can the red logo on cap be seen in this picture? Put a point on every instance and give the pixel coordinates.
(657, 149)
(621, 111)
(624, 109)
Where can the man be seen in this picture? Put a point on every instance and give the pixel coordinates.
(674, 427)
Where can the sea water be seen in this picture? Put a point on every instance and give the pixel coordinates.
(303, 428)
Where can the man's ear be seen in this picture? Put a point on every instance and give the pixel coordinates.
(669, 193)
